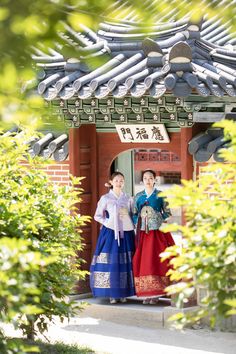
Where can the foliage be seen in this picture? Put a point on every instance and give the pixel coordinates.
(25, 346)
(39, 237)
(19, 266)
(207, 258)
(61, 348)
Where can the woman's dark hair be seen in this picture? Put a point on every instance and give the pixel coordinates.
(114, 174)
(150, 171)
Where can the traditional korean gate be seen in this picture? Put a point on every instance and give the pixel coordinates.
(92, 154)
(180, 74)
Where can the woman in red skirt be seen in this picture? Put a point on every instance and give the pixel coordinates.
(149, 213)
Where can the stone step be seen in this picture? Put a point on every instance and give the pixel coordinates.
(133, 312)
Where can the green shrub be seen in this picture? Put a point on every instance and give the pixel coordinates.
(207, 258)
(42, 220)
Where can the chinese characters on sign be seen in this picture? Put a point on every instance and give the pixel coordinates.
(147, 133)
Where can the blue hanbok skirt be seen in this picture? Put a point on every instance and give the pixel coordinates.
(111, 272)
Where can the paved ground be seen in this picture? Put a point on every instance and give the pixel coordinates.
(101, 327)
(108, 337)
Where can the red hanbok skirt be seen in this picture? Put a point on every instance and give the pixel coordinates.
(149, 272)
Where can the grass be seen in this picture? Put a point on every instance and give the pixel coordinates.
(61, 348)
(47, 348)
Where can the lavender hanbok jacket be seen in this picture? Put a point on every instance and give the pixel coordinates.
(115, 213)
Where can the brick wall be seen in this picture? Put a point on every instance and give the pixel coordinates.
(58, 172)
(170, 177)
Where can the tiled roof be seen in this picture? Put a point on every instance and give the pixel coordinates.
(208, 144)
(50, 146)
(177, 57)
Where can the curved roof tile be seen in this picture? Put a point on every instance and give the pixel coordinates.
(208, 144)
(176, 57)
(51, 146)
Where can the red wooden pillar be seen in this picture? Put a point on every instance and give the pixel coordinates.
(83, 163)
(74, 155)
(186, 158)
(187, 174)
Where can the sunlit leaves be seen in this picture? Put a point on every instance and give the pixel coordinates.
(232, 304)
(19, 265)
(76, 19)
(39, 237)
(208, 256)
(4, 13)
(8, 82)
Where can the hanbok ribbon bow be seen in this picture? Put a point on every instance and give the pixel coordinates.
(118, 225)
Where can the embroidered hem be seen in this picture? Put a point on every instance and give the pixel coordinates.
(151, 285)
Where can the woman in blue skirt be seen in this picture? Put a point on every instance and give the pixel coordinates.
(111, 273)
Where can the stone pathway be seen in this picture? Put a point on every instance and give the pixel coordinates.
(134, 328)
(113, 338)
